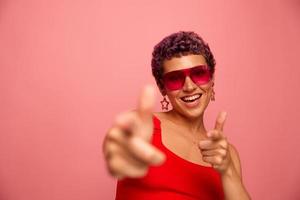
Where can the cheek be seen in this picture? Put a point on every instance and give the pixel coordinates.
(207, 92)
(207, 88)
(173, 96)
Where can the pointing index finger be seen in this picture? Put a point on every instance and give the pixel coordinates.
(220, 121)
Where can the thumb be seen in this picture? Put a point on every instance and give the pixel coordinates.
(146, 102)
(144, 124)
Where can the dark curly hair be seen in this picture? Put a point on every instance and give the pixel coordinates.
(177, 45)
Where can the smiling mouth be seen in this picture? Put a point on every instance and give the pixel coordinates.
(191, 98)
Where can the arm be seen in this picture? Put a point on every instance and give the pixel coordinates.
(217, 151)
(232, 178)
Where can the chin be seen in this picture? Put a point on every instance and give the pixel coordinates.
(191, 113)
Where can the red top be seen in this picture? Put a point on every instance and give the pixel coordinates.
(175, 179)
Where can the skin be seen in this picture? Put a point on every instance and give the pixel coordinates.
(183, 124)
(129, 152)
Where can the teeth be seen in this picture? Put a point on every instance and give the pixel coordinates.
(191, 98)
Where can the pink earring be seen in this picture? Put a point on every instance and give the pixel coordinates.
(213, 93)
(164, 104)
(213, 96)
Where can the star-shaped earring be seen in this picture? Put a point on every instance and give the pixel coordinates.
(164, 104)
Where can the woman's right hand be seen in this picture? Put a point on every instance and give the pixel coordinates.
(127, 146)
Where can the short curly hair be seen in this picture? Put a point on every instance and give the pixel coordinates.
(177, 45)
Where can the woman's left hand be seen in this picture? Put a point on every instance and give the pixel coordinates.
(215, 149)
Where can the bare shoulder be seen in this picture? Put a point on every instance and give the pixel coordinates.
(235, 158)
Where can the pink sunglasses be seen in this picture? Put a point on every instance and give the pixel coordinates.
(175, 80)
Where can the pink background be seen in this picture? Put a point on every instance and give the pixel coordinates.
(68, 67)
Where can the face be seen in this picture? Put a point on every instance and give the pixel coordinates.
(191, 100)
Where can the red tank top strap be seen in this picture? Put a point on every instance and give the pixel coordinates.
(156, 123)
(156, 139)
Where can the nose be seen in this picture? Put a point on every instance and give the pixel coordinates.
(189, 85)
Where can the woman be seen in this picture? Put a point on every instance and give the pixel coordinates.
(171, 155)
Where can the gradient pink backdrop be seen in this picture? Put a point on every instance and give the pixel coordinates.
(68, 67)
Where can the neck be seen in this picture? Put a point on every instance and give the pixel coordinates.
(194, 125)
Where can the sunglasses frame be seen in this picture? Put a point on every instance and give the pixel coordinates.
(187, 72)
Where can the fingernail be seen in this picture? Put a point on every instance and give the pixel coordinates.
(224, 114)
(120, 119)
(158, 159)
(209, 134)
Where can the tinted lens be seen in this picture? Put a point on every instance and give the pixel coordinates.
(174, 80)
(200, 74)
